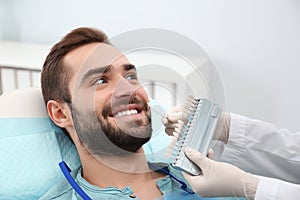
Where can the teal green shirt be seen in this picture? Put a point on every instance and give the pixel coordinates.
(170, 189)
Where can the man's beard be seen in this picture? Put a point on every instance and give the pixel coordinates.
(101, 138)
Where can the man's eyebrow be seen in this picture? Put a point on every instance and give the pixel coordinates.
(128, 67)
(91, 72)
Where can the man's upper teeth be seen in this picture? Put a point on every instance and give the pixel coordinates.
(126, 112)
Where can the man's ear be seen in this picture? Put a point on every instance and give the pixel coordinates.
(59, 113)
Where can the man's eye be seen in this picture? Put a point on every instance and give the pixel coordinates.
(131, 77)
(99, 81)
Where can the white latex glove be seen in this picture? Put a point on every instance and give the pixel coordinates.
(175, 117)
(220, 179)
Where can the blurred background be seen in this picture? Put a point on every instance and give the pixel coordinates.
(254, 45)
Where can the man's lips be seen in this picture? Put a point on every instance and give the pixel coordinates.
(127, 110)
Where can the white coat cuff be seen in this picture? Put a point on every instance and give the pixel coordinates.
(267, 190)
(235, 146)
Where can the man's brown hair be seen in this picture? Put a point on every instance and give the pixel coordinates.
(56, 75)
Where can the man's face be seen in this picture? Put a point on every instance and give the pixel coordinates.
(109, 106)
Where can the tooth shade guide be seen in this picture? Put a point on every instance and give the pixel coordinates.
(197, 132)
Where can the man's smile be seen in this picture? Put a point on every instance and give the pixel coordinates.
(127, 110)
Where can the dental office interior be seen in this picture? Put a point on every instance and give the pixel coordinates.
(243, 55)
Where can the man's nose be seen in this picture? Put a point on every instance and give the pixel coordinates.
(124, 88)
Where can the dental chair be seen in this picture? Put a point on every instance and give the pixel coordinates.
(31, 145)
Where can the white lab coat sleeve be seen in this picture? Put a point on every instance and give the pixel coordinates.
(274, 189)
(263, 149)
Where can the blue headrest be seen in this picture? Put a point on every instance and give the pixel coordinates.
(31, 146)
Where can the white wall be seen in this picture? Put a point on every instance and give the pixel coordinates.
(20, 55)
(254, 43)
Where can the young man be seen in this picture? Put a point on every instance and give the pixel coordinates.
(91, 91)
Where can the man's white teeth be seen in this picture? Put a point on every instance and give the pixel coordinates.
(126, 113)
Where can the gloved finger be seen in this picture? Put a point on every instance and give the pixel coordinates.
(174, 127)
(164, 120)
(175, 116)
(168, 123)
(175, 109)
(193, 181)
(211, 153)
(179, 124)
(199, 159)
(171, 125)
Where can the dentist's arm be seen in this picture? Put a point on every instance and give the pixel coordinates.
(262, 148)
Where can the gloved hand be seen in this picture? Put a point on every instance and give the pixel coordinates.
(220, 179)
(176, 117)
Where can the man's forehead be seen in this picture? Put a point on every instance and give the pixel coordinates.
(92, 55)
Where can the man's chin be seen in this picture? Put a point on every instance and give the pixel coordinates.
(117, 151)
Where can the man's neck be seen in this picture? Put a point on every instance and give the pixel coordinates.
(130, 170)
